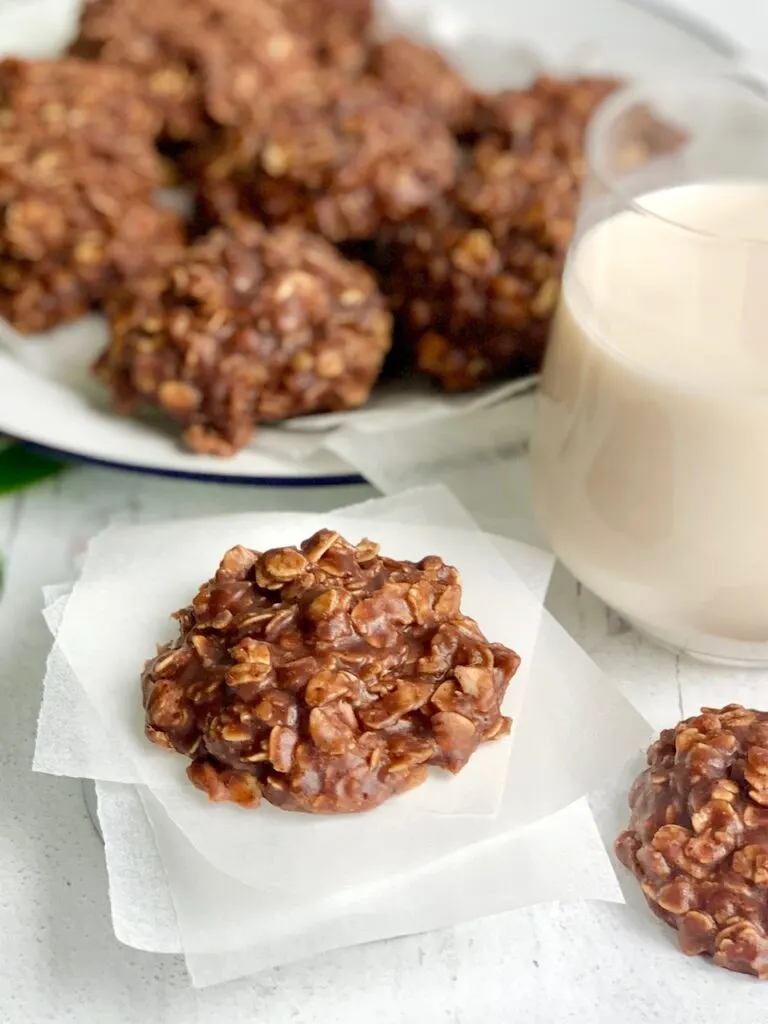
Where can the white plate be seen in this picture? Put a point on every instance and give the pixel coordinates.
(47, 399)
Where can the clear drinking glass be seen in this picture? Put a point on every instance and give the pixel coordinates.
(650, 452)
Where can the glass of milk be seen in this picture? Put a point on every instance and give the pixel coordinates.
(650, 453)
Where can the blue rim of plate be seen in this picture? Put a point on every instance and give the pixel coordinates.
(697, 29)
(329, 480)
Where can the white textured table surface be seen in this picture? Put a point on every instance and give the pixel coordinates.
(59, 961)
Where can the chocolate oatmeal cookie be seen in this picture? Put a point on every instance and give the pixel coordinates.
(342, 163)
(325, 678)
(247, 327)
(78, 170)
(475, 277)
(418, 75)
(338, 31)
(205, 64)
(697, 839)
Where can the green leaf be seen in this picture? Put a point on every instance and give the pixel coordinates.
(20, 467)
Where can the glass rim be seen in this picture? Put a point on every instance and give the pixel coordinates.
(642, 89)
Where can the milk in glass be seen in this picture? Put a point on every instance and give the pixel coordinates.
(651, 445)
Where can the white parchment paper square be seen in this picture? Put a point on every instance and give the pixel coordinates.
(573, 724)
(165, 897)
